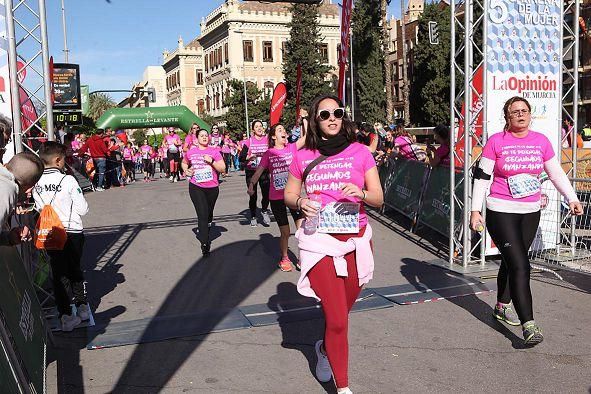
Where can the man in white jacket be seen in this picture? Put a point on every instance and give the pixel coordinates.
(63, 193)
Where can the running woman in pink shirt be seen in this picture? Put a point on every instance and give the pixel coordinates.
(343, 174)
(146, 153)
(252, 153)
(173, 145)
(276, 162)
(512, 161)
(202, 164)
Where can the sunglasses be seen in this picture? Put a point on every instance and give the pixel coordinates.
(338, 113)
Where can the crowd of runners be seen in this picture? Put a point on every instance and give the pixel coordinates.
(323, 175)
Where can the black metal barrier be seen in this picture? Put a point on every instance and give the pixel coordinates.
(23, 339)
(419, 192)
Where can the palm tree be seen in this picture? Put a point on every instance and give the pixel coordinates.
(98, 103)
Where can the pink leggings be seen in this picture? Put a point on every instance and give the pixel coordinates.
(337, 296)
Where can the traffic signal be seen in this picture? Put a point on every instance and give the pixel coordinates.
(151, 95)
(433, 33)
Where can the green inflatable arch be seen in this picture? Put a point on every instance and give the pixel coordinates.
(142, 118)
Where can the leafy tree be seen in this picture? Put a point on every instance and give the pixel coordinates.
(368, 57)
(303, 47)
(258, 106)
(429, 89)
(98, 103)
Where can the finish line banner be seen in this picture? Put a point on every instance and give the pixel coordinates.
(523, 58)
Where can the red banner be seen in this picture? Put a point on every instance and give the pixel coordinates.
(344, 51)
(476, 110)
(298, 93)
(28, 111)
(277, 103)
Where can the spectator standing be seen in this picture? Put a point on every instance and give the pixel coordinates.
(99, 153)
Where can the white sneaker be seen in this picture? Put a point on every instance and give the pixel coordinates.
(253, 222)
(266, 218)
(99, 189)
(344, 391)
(172, 178)
(323, 370)
(83, 312)
(69, 322)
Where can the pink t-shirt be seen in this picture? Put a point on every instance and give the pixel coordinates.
(189, 140)
(146, 151)
(204, 175)
(228, 144)
(76, 145)
(215, 141)
(127, 153)
(514, 156)
(257, 147)
(173, 142)
(277, 162)
(443, 153)
(328, 177)
(404, 144)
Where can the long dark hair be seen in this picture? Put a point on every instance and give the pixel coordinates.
(508, 103)
(272, 133)
(314, 134)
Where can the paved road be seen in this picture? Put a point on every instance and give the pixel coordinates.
(142, 260)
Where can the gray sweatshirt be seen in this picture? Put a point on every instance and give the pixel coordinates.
(8, 199)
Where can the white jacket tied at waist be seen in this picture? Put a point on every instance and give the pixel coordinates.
(315, 246)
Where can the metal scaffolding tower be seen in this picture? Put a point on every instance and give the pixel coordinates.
(28, 56)
(466, 251)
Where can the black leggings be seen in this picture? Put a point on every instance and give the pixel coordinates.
(204, 202)
(264, 184)
(65, 267)
(129, 169)
(513, 233)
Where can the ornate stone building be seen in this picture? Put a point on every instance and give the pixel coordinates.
(246, 40)
(184, 68)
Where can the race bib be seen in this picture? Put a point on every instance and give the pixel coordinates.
(339, 218)
(146, 155)
(173, 148)
(203, 175)
(280, 180)
(523, 185)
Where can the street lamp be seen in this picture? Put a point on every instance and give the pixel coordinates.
(244, 84)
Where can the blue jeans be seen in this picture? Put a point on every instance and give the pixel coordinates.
(100, 165)
(236, 162)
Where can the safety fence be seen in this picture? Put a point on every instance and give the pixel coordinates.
(568, 239)
(419, 192)
(422, 194)
(23, 333)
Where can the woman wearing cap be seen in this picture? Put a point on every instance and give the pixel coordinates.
(202, 164)
(336, 259)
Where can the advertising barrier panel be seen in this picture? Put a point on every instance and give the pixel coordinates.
(435, 211)
(405, 187)
(22, 317)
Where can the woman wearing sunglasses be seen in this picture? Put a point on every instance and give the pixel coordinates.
(336, 259)
(512, 161)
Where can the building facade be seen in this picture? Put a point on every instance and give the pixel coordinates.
(184, 71)
(246, 41)
(395, 53)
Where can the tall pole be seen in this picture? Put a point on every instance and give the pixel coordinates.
(404, 67)
(13, 69)
(65, 35)
(240, 32)
(387, 74)
(352, 74)
(46, 72)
